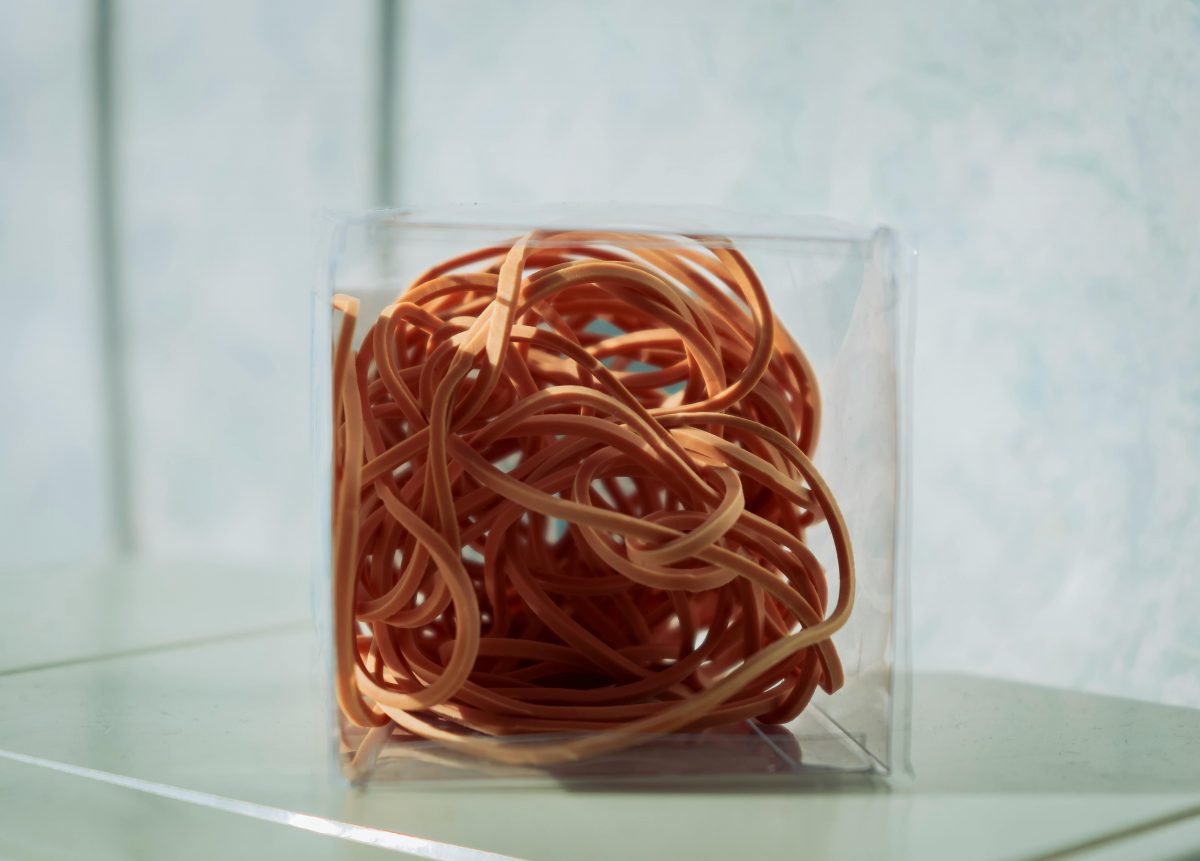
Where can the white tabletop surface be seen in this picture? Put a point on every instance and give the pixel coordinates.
(186, 723)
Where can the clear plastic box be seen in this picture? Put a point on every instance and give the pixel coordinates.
(845, 295)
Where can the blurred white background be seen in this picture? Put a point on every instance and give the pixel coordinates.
(165, 161)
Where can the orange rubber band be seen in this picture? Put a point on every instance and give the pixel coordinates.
(571, 489)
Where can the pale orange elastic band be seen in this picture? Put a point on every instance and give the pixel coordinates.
(571, 492)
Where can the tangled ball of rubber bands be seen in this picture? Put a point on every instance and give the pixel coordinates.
(573, 477)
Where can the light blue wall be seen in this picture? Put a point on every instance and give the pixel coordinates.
(1043, 154)
(52, 476)
(239, 121)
